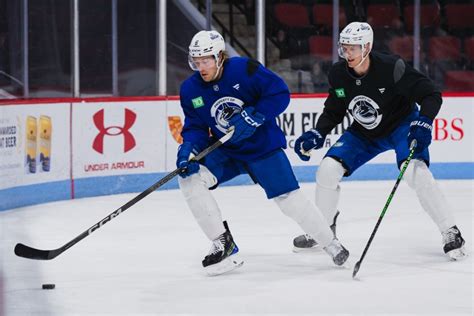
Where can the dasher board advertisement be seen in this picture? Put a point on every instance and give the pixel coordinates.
(34, 144)
(452, 131)
(118, 138)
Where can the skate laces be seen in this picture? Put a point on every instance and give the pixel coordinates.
(217, 245)
(450, 235)
(308, 237)
(334, 247)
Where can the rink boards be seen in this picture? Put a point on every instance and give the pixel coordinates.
(70, 149)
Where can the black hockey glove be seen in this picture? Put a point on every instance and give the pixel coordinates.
(311, 139)
(245, 124)
(420, 130)
(184, 154)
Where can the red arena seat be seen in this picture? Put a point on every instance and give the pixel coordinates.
(383, 16)
(469, 48)
(322, 15)
(429, 16)
(402, 46)
(444, 48)
(459, 16)
(292, 15)
(321, 47)
(459, 80)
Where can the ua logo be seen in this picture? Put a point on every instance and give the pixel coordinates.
(129, 140)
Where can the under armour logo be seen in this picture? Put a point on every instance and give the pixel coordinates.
(129, 140)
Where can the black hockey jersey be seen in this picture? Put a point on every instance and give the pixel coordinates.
(379, 100)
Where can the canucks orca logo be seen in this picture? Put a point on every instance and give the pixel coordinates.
(223, 109)
(365, 111)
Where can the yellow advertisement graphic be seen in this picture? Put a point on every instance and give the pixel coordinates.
(31, 138)
(45, 132)
(175, 126)
(38, 143)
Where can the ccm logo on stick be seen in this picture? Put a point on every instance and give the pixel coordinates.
(105, 220)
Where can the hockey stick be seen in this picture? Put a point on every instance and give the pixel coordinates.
(24, 251)
(400, 176)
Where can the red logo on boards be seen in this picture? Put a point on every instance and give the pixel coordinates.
(129, 140)
(449, 129)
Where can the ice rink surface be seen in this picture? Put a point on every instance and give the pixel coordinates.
(148, 260)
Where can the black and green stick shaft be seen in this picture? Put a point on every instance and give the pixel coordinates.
(400, 176)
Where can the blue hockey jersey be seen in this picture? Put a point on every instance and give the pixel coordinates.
(208, 107)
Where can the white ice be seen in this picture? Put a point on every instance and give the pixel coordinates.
(148, 260)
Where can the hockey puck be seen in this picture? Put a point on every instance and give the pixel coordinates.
(48, 286)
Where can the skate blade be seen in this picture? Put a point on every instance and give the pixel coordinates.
(228, 264)
(315, 248)
(457, 254)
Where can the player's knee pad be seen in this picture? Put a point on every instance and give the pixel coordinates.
(326, 200)
(330, 173)
(293, 204)
(418, 176)
(193, 184)
(202, 204)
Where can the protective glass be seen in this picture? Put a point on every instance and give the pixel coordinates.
(197, 63)
(349, 51)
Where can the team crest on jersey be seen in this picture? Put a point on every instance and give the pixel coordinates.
(365, 111)
(223, 109)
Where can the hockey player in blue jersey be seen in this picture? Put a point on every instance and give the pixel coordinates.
(380, 92)
(240, 94)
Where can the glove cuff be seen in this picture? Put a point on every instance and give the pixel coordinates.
(188, 147)
(317, 133)
(425, 119)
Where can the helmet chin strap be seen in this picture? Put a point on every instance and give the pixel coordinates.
(363, 59)
(219, 66)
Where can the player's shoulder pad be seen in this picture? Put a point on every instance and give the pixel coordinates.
(252, 66)
(390, 64)
(398, 70)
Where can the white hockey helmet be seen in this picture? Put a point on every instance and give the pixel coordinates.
(356, 33)
(205, 43)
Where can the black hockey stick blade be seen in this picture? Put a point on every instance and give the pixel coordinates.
(25, 251)
(356, 269)
(28, 252)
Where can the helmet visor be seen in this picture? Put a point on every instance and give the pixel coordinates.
(198, 63)
(349, 51)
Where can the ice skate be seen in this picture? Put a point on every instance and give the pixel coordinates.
(223, 256)
(337, 251)
(453, 243)
(306, 243)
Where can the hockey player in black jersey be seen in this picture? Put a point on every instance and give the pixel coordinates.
(381, 92)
